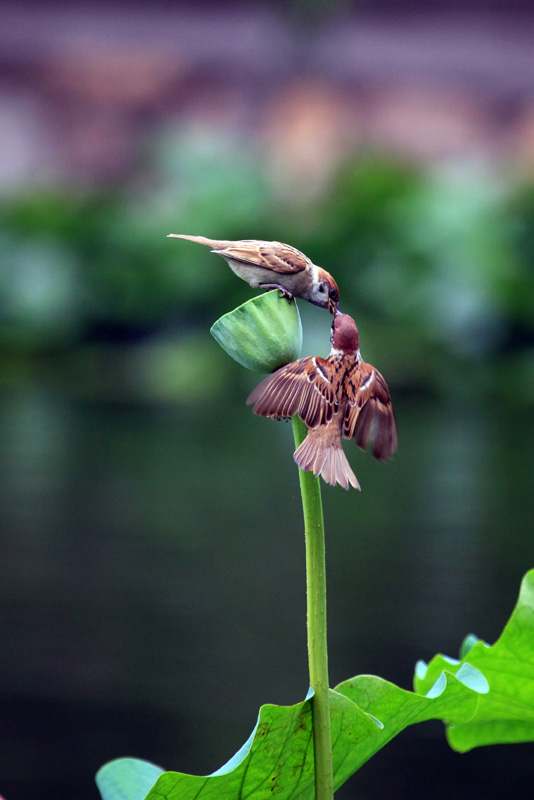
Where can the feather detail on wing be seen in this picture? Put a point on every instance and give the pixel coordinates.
(303, 387)
(275, 256)
(369, 415)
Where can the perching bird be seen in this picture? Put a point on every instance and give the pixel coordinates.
(337, 396)
(273, 265)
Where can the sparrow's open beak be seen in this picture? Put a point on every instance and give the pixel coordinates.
(332, 307)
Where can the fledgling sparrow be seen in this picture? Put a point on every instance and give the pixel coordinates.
(335, 397)
(273, 265)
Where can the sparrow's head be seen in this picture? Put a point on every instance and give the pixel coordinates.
(344, 337)
(325, 292)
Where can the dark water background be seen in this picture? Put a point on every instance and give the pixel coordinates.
(152, 592)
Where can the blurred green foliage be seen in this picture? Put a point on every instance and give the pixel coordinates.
(435, 264)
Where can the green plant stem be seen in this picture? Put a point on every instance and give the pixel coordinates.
(316, 621)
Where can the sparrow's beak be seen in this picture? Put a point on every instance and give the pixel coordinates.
(332, 307)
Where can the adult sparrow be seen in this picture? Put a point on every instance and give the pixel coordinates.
(273, 265)
(335, 397)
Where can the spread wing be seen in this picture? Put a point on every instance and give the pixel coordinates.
(303, 387)
(369, 415)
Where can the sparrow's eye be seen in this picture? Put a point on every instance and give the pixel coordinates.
(332, 294)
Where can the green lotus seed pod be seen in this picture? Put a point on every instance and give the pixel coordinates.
(262, 334)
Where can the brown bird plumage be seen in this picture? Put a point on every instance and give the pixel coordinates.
(273, 265)
(335, 397)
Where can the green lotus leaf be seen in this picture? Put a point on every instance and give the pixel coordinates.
(126, 779)
(262, 334)
(487, 697)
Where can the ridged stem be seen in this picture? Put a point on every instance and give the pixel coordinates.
(316, 623)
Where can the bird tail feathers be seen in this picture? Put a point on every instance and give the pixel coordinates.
(216, 244)
(328, 461)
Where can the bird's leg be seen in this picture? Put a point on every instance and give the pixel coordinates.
(284, 292)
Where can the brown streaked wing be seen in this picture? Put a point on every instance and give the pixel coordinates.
(369, 416)
(270, 255)
(300, 387)
(318, 405)
(279, 394)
